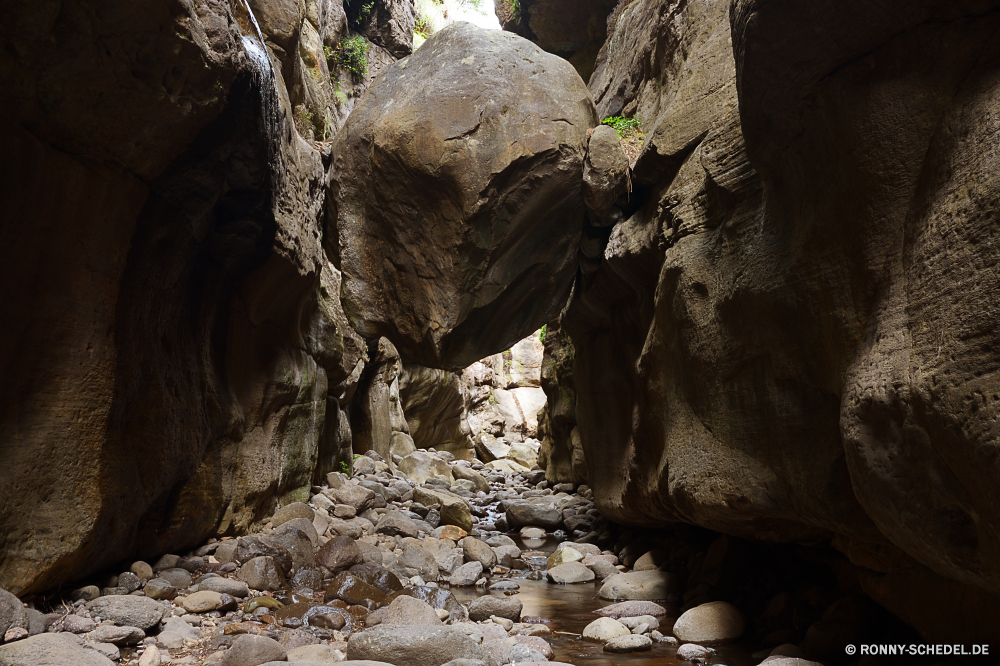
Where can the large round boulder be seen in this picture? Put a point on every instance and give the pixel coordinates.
(455, 199)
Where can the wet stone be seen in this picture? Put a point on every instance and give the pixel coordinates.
(630, 643)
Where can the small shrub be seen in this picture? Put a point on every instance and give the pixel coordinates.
(422, 26)
(343, 468)
(303, 119)
(541, 334)
(515, 9)
(631, 135)
(351, 54)
(624, 126)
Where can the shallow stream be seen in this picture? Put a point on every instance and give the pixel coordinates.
(570, 608)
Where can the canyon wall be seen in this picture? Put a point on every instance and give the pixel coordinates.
(173, 337)
(790, 335)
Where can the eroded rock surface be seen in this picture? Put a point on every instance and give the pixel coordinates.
(777, 317)
(454, 208)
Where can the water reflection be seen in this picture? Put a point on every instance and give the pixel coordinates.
(570, 608)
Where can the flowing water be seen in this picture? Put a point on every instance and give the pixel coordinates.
(570, 608)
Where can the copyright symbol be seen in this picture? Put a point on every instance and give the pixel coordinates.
(850, 649)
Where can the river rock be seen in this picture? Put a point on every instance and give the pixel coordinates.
(107, 633)
(87, 593)
(407, 610)
(529, 532)
(507, 88)
(179, 578)
(339, 554)
(416, 561)
(420, 466)
(632, 609)
(293, 510)
(485, 607)
(50, 650)
(466, 575)
(159, 588)
(142, 570)
(508, 467)
(638, 585)
(571, 572)
(523, 454)
(634, 623)
(604, 629)
(454, 509)
(603, 569)
(709, 624)
(650, 560)
(127, 610)
(536, 514)
(354, 495)
(412, 645)
(261, 573)
(563, 555)
(507, 554)
(362, 466)
(233, 588)
(394, 523)
(476, 550)
(298, 537)
(355, 592)
(251, 650)
(75, 624)
(694, 653)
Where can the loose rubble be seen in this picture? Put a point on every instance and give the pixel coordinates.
(367, 571)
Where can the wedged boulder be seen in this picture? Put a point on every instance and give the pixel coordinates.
(454, 510)
(478, 481)
(12, 613)
(454, 207)
(533, 513)
(605, 170)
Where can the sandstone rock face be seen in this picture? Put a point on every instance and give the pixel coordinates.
(487, 153)
(435, 409)
(186, 213)
(376, 414)
(503, 398)
(775, 342)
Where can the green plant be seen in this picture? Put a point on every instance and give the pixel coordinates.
(625, 127)
(366, 11)
(351, 54)
(343, 468)
(515, 9)
(541, 334)
(422, 26)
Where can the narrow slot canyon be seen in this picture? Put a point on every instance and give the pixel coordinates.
(474, 333)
